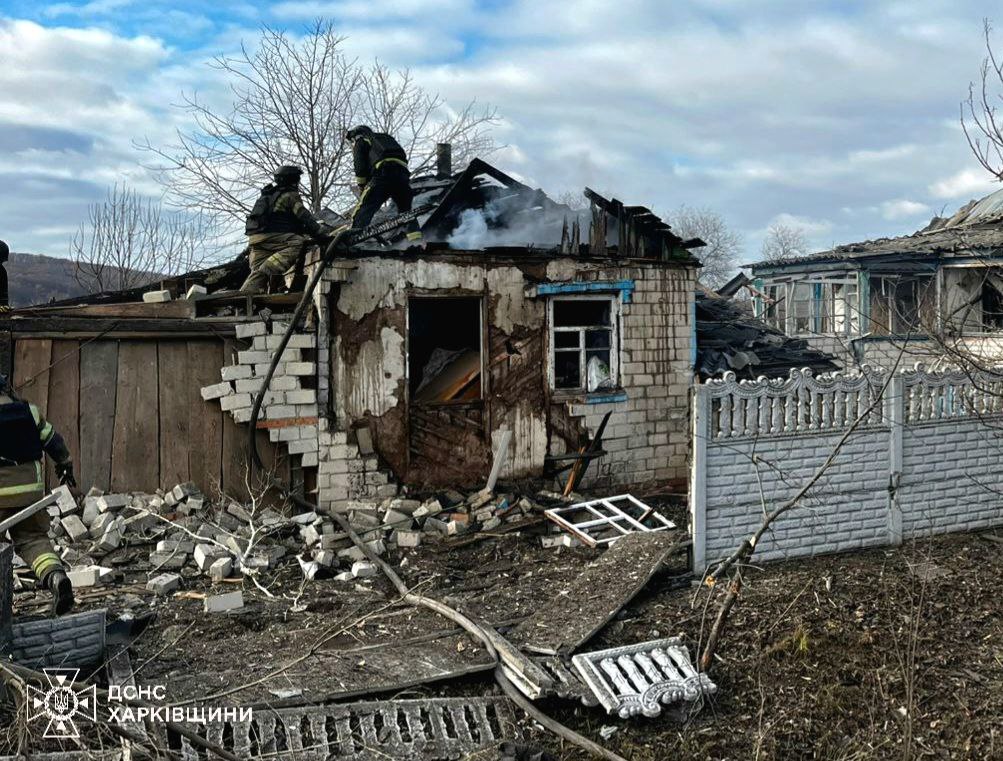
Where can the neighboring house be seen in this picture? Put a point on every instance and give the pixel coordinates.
(519, 314)
(730, 339)
(892, 301)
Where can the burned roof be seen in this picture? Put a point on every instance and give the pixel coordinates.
(975, 230)
(729, 338)
(482, 207)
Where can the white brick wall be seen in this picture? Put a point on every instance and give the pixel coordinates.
(286, 400)
(936, 437)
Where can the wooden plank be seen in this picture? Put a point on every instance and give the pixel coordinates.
(135, 463)
(175, 390)
(64, 400)
(588, 603)
(205, 426)
(234, 456)
(98, 387)
(76, 326)
(31, 374)
(180, 308)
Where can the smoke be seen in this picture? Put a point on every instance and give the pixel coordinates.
(509, 222)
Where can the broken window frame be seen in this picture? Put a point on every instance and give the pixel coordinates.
(613, 518)
(812, 305)
(905, 298)
(957, 318)
(614, 302)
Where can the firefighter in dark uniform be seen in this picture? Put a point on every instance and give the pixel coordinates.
(4, 295)
(382, 174)
(25, 437)
(279, 229)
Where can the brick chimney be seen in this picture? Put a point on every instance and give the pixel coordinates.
(443, 161)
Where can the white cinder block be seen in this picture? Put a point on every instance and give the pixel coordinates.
(216, 391)
(251, 329)
(223, 603)
(236, 373)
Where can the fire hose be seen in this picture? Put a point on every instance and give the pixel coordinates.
(341, 245)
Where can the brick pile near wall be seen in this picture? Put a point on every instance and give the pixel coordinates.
(647, 434)
(289, 410)
(6, 595)
(924, 461)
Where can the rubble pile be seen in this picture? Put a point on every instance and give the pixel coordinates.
(190, 535)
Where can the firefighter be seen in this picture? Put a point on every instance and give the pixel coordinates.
(24, 437)
(381, 173)
(4, 297)
(279, 229)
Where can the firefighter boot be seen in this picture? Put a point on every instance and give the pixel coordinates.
(62, 592)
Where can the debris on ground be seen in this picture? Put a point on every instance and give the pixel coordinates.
(637, 680)
(605, 520)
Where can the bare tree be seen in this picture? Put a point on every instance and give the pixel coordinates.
(784, 242)
(983, 126)
(720, 256)
(293, 100)
(129, 240)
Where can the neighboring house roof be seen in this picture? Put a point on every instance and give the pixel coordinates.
(974, 230)
(729, 338)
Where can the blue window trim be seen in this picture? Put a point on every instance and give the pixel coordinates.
(625, 287)
(616, 396)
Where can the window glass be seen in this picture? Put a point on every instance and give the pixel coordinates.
(567, 369)
(598, 339)
(567, 339)
(801, 307)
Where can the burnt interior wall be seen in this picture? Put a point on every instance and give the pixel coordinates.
(369, 373)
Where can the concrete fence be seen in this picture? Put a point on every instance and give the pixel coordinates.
(925, 458)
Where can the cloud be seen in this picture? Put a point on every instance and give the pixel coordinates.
(968, 183)
(93, 8)
(363, 10)
(810, 227)
(903, 209)
(755, 110)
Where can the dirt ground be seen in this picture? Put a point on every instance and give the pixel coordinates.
(883, 654)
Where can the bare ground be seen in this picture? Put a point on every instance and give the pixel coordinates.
(883, 654)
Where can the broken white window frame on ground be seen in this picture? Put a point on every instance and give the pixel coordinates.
(582, 348)
(612, 518)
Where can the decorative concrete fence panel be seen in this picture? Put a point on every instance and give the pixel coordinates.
(892, 458)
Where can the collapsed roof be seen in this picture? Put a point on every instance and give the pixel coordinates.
(976, 229)
(728, 338)
(483, 208)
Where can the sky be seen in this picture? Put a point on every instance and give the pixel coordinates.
(839, 117)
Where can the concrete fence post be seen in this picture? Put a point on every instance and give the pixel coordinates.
(698, 477)
(895, 414)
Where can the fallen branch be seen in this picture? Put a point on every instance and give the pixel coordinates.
(552, 724)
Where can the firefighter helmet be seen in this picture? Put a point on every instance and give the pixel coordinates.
(288, 173)
(361, 131)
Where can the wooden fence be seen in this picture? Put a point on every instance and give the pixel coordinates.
(132, 415)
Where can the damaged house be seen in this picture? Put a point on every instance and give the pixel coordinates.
(914, 298)
(520, 317)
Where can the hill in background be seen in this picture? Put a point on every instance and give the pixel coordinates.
(37, 279)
